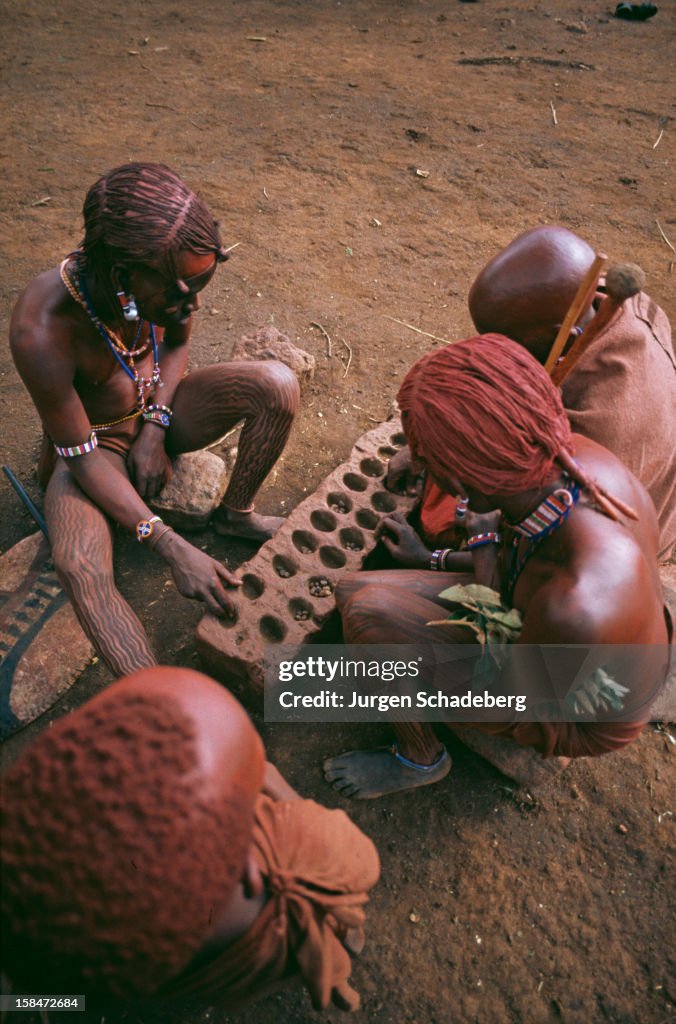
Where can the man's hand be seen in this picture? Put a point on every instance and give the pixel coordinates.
(404, 474)
(149, 465)
(480, 522)
(402, 542)
(197, 574)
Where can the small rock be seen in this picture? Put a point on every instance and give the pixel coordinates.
(623, 829)
(194, 491)
(269, 343)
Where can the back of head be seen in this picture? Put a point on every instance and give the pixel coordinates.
(525, 291)
(126, 828)
(143, 213)
(485, 412)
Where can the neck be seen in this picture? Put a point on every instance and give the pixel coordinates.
(103, 299)
(517, 506)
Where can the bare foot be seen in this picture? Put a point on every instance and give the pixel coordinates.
(247, 525)
(368, 774)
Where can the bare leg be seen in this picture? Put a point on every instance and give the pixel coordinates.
(211, 401)
(417, 741)
(381, 608)
(82, 549)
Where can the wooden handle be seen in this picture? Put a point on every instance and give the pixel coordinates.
(583, 297)
(605, 313)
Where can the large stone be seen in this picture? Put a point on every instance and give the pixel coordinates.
(42, 647)
(288, 586)
(194, 491)
(269, 343)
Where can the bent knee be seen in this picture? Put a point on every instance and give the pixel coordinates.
(347, 587)
(367, 606)
(280, 385)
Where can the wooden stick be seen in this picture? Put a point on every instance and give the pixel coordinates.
(416, 329)
(622, 281)
(583, 297)
(313, 323)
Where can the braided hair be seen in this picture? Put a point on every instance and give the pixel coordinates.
(144, 213)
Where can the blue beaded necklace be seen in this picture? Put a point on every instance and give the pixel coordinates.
(124, 355)
(536, 527)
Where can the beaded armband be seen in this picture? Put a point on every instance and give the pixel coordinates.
(158, 414)
(78, 449)
(481, 539)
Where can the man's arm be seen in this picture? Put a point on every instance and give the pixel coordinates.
(46, 368)
(148, 463)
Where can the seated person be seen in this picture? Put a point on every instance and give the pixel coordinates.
(565, 549)
(148, 850)
(102, 344)
(621, 393)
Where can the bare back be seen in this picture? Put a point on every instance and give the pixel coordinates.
(596, 580)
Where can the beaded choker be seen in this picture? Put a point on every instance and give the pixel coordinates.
(536, 527)
(125, 356)
(549, 514)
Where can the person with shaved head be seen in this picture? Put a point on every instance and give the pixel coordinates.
(561, 539)
(149, 852)
(102, 344)
(620, 393)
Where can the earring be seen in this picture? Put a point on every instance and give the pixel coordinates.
(461, 507)
(128, 303)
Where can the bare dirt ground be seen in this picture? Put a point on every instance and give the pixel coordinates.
(368, 157)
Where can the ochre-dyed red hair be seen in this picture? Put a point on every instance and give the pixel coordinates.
(483, 410)
(116, 859)
(144, 213)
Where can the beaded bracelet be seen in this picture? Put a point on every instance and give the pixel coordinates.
(160, 415)
(156, 537)
(438, 560)
(145, 528)
(78, 449)
(480, 539)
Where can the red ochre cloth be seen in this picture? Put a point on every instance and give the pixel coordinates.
(318, 867)
(621, 394)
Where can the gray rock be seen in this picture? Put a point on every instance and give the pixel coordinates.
(194, 491)
(269, 343)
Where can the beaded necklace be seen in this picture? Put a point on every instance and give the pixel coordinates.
(536, 527)
(124, 355)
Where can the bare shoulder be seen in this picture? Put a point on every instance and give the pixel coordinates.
(41, 324)
(607, 593)
(606, 469)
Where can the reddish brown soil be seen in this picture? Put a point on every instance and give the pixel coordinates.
(368, 157)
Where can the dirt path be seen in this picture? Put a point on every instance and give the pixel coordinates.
(368, 157)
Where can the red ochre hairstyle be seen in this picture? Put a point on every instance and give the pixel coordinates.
(144, 213)
(116, 858)
(485, 411)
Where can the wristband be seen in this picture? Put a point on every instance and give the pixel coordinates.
(438, 560)
(156, 536)
(145, 528)
(160, 415)
(481, 539)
